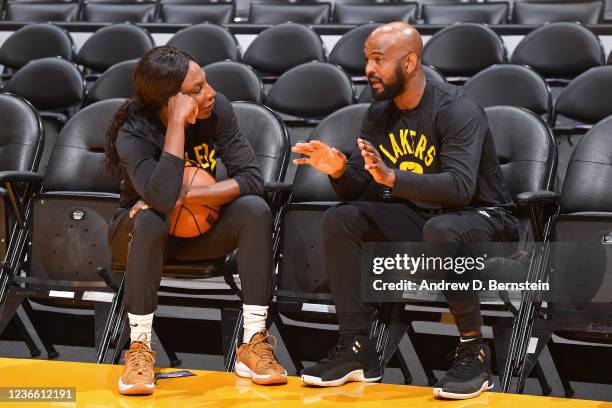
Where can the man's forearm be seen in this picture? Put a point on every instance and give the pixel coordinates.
(216, 194)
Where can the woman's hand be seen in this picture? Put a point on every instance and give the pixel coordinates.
(140, 205)
(182, 109)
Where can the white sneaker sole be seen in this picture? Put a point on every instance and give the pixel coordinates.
(450, 395)
(356, 375)
(263, 379)
(136, 389)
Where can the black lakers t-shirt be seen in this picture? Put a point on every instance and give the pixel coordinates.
(442, 153)
(150, 173)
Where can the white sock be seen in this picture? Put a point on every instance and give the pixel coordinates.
(254, 320)
(140, 328)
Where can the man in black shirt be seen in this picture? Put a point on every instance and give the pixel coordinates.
(427, 147)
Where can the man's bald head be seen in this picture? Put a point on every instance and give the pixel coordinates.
(396, 36)
(393, 59)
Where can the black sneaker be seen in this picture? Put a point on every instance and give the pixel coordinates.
(470, 374)
(354, 358)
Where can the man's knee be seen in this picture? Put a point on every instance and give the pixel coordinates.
(338, 220)
(440, 229)
(149, 223)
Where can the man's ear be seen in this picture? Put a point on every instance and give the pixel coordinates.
(410, 63)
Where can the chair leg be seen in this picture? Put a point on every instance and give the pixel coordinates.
(167, 346)
(231, 326)
(289, 344)
(403, 366)
(546, 390)
(122, 340)
(25, 335)
(113, 315)
(567, 387)
(51, 352)
(431, 377)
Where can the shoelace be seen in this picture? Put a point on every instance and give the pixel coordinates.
(466, 357)
(265, 350)
(142, 355)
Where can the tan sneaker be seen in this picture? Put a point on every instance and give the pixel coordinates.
(256, 360)
(138, 375)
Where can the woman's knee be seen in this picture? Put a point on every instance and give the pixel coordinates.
(254, 210)
(150, 223)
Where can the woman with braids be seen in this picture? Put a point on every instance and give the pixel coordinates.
(177, 119)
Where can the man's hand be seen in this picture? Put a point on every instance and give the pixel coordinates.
(140, 205)
(322, 157)
(375, 165)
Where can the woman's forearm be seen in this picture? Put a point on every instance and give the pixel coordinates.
(175, 138)
(216, 194)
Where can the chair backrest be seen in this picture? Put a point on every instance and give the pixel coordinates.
(266, 134)
(193, 13)
(464, 49)
(21, 134)
(431, 74)
(112, 44)
(237, 81)
(559, 50)
(36, 41)
(268, 53)
(486, 13)
(375, 13)
(525, 147)
(41, 12)
(312, 90)
(115, 82)
(348, 51)
(50, 84)
(303, 13)
(584, 12)
(587, 97)
(508, 84)
(207, 43)
(141, 12)
(76, 163)
(340, 130)
(589, 173)
(71, 217)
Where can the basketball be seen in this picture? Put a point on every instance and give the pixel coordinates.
(188, 221)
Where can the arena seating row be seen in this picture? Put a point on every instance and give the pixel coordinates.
(288, 84)
(556, 51)
(307, 12)
(75, 188)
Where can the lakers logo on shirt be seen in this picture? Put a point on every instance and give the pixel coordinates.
(411, 166)
(202, 157)
(410, 152)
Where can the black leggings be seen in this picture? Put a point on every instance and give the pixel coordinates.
(347, 225)
(143, 244)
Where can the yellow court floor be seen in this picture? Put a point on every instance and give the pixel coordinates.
(96, 387)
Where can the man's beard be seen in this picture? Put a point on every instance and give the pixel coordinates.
(391, 90)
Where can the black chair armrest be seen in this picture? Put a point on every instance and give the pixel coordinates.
(537, 197)
(274, 186)
(20, 177)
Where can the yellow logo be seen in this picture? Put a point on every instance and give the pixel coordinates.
(409, 146)
(203, 158)
(411, 166)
